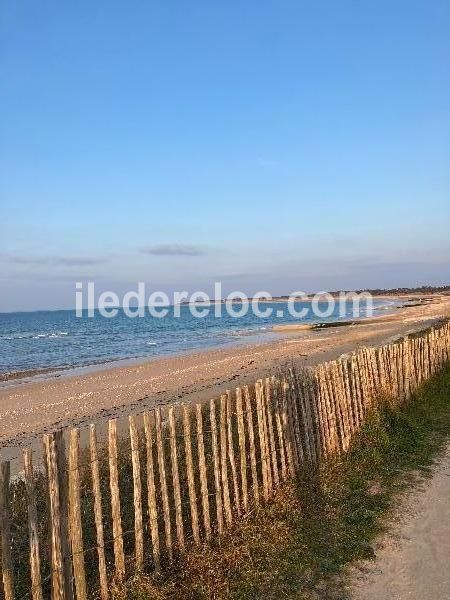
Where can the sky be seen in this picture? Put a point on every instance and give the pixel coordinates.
(269, 145)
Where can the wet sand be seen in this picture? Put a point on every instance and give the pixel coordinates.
(30, 408)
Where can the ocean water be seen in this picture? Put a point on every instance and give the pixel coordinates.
(58, 339)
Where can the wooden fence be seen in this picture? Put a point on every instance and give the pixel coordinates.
(90, 517)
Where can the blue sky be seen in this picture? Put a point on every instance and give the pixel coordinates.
(270, 145)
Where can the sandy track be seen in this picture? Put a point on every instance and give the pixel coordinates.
(415, 563)
(28, 409)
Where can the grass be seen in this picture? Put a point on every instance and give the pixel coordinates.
(299, 545)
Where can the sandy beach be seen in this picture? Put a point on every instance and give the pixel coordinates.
(29, 408)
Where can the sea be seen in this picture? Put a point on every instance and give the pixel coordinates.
(42, 341)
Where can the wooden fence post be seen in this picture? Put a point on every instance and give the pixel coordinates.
(279, 424)
(203, 473)
(151, 493)
(251, 439)
(98, 512)
(242, 449)
(217, 463)
(119, 557)
(273, 448)
(309, 416)
(329, 437)
(265, 429)
(76, 528)
(311, 385)
(223, 457)
(334, 413)
(190, 474)
(176, 480)
(294, 420)
(354, 392)
(163, 483)
(292, 427)
(237, 501)
(318, 403)
(287, 430)
(305, 417)
(63, 483)
(262, 440)
(137, 493)
(35, 561)
(336, 392)
(57, 573)
(5, 531)
(344, 387)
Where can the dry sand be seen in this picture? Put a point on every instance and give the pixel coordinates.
(30, 408)
(414, 563)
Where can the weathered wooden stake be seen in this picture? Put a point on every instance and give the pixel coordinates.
(190, 474)
(217, 463)
(119, 556)
(262, 440)
(137, 494)
(223, 456)
(242, 449)
(251, 439)
(176, 480)
(287, 429)
(163, 483)
(151, 493)
(5, 531)
(57, 573)
(76, 526)
(203, 474)
(63, 484)
(279, 424)
(35, 561)
(237, 501)
(273, 448)
(98, 513)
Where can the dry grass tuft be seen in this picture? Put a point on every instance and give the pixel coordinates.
(229, 568)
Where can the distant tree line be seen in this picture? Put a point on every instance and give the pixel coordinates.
(424, 289)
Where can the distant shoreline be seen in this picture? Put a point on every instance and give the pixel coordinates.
(30, 408)
(311, 298)
(10, 378)
(376, 294)
(49, 372)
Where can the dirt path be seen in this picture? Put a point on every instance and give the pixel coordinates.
(414, 563)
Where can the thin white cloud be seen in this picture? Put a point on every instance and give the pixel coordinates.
(65, 261)
(175, 250)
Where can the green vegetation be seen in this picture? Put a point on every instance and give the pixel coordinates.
(299, 545)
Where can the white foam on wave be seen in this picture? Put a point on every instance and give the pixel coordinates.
(53, 334)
